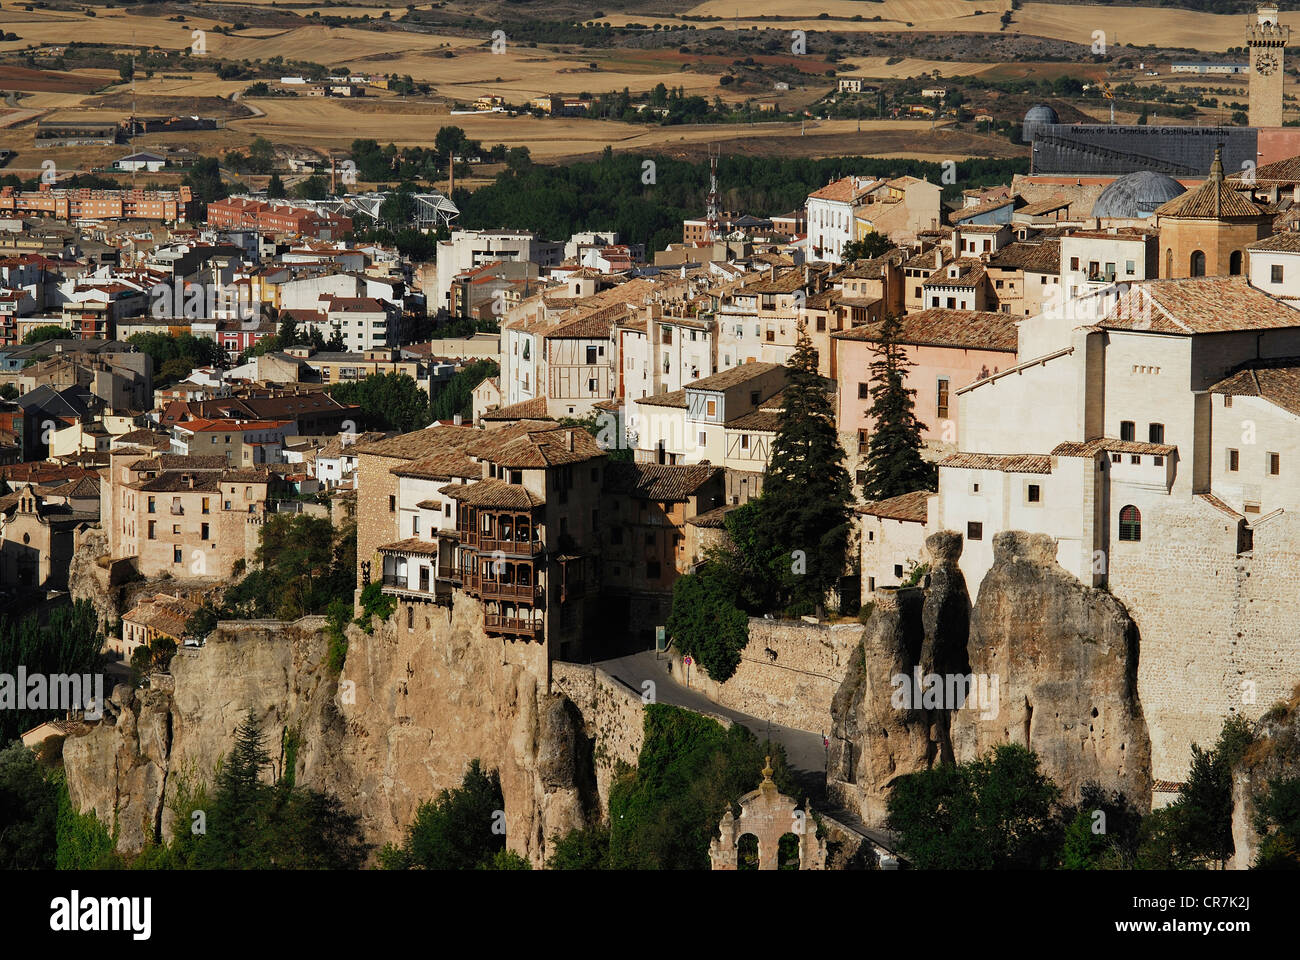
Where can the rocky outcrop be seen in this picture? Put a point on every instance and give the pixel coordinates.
(409, 711)
(883, 728)
(1039, 659)
(1275, 754)
(1065, 658)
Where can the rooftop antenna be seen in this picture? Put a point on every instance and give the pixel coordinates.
(713, 203)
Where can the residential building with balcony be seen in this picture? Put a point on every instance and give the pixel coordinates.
(508, 517)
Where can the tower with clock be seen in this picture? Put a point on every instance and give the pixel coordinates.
(1266, 38)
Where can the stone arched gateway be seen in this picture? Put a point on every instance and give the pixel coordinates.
(769, 815)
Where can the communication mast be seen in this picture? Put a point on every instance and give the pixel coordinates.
(713, 204)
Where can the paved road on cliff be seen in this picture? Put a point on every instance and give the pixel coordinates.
(804, 749)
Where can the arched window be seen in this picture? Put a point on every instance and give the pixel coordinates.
(1234, 263)
(1130, 523)
(1169, 262)
(1198, 264)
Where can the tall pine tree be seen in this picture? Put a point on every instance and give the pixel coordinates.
(894, 462)
(804, 509)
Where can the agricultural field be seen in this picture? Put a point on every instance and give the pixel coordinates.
(460, 66)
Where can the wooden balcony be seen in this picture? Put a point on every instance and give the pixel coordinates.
(511, 548)
(439, 590)
(512, 626)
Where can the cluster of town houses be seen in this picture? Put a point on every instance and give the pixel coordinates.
(1115, 364)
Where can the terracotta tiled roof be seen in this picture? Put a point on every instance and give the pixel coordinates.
(545, 445)
(1167, 786)
(1007, 463)
(413, 545)
(1212, 200)
(418, 444)
(1197, 305)
(940, 327)
(1219, 505)
(164, 613)
(760, 420)
(1277, 172)
(1090, 448)
(653, 481)
(1044, 206)
(447, 465)
(534, 409)
(1042, 256)
(970, 273)
(674, 398)
(1277, 381)
(730, 378)
(909, 506)
(492, 493)
(966, 213)
(1288, 242)
(713, 519)
(178, 461)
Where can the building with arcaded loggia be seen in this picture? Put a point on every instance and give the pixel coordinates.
(508, 517)
(1155, 435)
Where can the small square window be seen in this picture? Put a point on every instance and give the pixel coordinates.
(1274, 464)
(1034, 493)
(974, 531)
(1135, 459)
(898, 569)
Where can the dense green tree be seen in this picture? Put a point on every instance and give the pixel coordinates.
(1277, 821)
(303, 564)
(275, 187)
(29, 801)
(458, 395)
(664, 812)
(1102, 831)
(894, 462)
(459, 830)
(48, 331)
(705, 622)
(388, 401)
(804, 510)
(1203, 810)
(65, 641)
(585, 849)
(995, 812)
(868, 248)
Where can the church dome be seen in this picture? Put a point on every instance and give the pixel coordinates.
(1135, 196)
(1035, 117)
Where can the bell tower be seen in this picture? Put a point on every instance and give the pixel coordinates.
(1266, 38)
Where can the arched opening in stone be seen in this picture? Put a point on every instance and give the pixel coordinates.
(787, 852)
(1198, 263)
(747, 852)
(1234, 263)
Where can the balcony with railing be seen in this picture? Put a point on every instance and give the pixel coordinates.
(512, 626)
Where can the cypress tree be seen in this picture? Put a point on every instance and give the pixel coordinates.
(804, 509)
(894, 462)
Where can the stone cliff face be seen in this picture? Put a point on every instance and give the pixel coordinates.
(1040, 660)
(409, 711)
(1274, 754)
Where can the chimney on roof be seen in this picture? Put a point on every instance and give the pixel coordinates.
(456, 419)
(568, 439)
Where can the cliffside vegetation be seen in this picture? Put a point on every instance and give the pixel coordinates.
(304, 564)
(67, 642)
(1001, 812)
(461, 829)
(664, 812)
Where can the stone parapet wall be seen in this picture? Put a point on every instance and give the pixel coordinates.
(788, 672)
